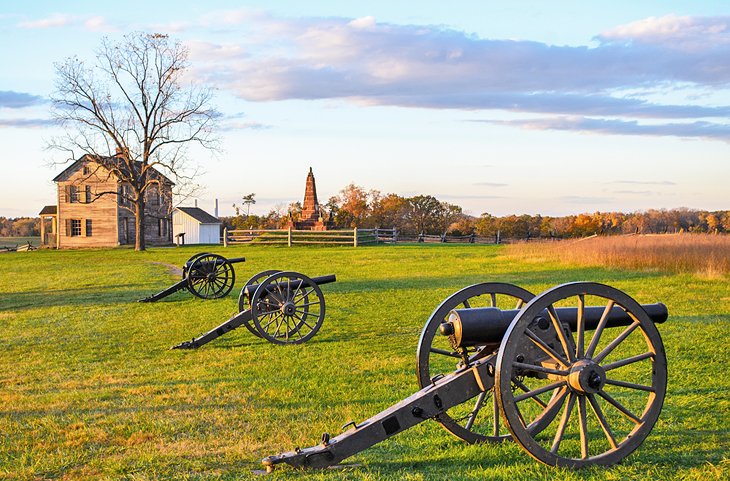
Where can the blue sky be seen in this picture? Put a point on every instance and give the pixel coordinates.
(501, 107)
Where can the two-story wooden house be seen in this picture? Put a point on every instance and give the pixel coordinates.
(91, 209)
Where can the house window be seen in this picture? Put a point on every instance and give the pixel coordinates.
(88, 227)
(88, 193)
(161, 227)
(73, 193)
(75, 227)
(86, 170)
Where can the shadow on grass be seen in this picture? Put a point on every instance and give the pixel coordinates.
(118, 294)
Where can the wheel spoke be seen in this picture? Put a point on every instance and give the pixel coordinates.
(607, 350)
(580, 336)
(525, 388)
(627, 361)
(630, 385)
(540, 390)
(619, 406)
(493, 298)
(561, 334)
(466, 304)
(599, 329)
(602, 420)
(547, 349)
(583, 427)
(563, 423)
(546, 370)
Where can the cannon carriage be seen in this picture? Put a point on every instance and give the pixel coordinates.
(576, 376)
(204, 275)
(283, 307)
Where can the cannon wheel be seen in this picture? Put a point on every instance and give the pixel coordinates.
(283, 314)
(243, 299)
(210, 276)
(189, 262)
(624, 396)
(435, 357)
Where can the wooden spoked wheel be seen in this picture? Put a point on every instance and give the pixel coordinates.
(608, 384)
(476, 421)
(247, 293)
(210, 276)
(287, 308)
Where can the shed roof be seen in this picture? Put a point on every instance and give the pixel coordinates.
(199, 214)
(49, 210)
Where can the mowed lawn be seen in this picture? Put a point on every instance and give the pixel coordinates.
(90, 390)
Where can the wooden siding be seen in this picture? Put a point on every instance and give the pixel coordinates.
(102, 212)
(195, 232)
(107, 218)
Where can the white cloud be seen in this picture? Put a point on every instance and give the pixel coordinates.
(52, 21)
(58, 20)
(697, 129)
(437, 67)
(673, 31)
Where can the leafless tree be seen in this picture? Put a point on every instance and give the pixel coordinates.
(133, 115)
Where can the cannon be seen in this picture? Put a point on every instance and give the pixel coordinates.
(283, 307)
(205, 275)
(576, 376)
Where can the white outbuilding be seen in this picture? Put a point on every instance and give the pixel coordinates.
(197, 225)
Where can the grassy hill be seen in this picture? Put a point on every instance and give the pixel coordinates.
(90, 389)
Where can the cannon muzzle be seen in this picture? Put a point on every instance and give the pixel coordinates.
(487, 325)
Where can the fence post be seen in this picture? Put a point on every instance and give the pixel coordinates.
(354, 237)
(395, 235)
(288, 237)
(225, 237)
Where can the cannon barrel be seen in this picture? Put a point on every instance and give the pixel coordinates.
(487, 325)
(328, 279)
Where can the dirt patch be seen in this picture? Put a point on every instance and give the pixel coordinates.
(174, 270)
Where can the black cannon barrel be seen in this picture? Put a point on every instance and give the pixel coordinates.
(234, 260)
(487, 325)
(328, 279)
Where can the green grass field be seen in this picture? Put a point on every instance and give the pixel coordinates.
(89, 389)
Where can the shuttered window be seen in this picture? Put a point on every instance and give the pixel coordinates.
(88, 228)
(88, 193)
(73, 193)
(75, 227)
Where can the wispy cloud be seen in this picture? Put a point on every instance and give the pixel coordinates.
(489, 184)
(52, 21)
(697, 129)
(576, 199)
(27, 123)
(644, 182)
(94, 23)
(19, 100)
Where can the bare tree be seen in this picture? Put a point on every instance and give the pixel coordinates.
(133, 116)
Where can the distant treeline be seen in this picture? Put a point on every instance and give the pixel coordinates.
(20, 227)
(425, 214)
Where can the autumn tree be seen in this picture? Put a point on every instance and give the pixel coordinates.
(132, 114)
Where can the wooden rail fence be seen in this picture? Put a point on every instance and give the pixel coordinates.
(354, 237)
(344, 237)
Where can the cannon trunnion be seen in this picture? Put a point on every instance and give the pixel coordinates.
(576, 376)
